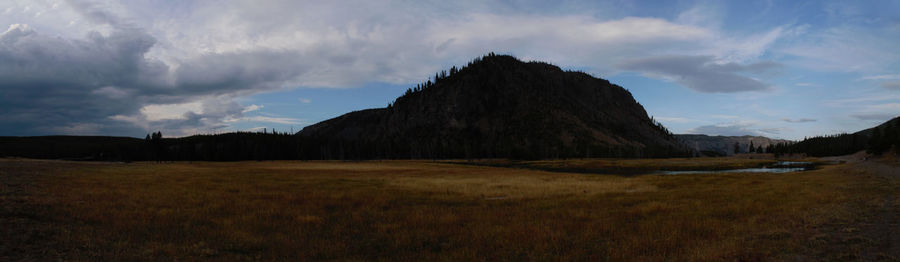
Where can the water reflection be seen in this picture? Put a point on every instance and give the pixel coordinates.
(780, 167)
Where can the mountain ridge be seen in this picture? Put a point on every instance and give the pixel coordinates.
(724, 145)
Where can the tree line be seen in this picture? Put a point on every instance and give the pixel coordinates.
(272, 145)
(758, 149)
(877, 141)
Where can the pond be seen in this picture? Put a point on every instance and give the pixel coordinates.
(780, 167)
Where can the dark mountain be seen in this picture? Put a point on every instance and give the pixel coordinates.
(498, 106)
(874, 140)
(724, 145)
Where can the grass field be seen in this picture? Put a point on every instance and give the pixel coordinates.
(417, 210)
(637, 166)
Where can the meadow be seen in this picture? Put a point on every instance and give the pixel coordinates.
(640, 166)
(424, 210)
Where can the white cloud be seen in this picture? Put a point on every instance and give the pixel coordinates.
(577, 41)
(745, 48)
(304, 100)
(843, 49)
(251, 108)
(703, 15)
(170, 111)
(479, 28)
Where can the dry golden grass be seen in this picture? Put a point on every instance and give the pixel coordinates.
(416, 210)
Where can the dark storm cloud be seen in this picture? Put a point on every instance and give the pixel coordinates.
(53, 85)
(50, 82)
(701, 73)
(234, 72)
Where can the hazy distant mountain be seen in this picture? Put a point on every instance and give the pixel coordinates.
(498, 106)
(725, 144)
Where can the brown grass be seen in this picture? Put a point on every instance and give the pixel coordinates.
(637, 166)
(705, 163)
(408, 210)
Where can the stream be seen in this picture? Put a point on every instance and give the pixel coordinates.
(780, 167)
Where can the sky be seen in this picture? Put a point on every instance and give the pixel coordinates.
(782, 69)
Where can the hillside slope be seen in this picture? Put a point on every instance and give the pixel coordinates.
(875, 140)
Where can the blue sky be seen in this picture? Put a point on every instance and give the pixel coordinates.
(783, 69)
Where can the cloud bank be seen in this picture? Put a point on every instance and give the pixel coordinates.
(725, 130)
(702, 73)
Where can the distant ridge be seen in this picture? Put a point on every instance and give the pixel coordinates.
(500, 107)
(724, 145)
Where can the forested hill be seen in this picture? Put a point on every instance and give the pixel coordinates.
(874, 140)
(500, 107)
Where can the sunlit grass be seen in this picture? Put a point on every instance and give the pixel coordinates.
(412, 210)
